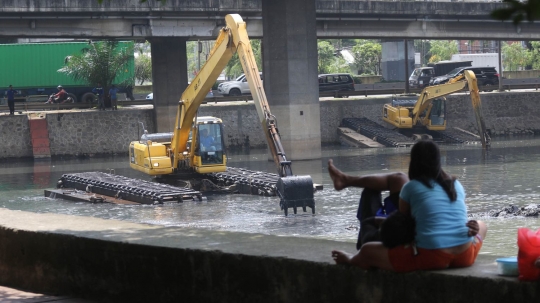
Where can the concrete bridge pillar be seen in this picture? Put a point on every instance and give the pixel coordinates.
(290, 74)
(169, 79)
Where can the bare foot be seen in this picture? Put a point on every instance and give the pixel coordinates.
(337, 176)
(341, 257)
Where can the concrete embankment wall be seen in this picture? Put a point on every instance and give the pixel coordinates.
(118, 261)
(93, 132)
(76, 133)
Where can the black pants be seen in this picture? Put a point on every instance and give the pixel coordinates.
(370, 203)
(11, 105)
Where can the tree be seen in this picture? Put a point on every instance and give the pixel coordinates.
(515, 56)
(442, 50)
(328, 60)
(368, 56)
(143, 63)
(100, 62)
(325, 51)
(535, 54)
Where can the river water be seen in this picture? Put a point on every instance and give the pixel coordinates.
(507, 174)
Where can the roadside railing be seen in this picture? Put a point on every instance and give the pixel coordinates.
(33, 106)
(33, 103)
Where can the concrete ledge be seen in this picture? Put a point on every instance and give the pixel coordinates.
(126, 262)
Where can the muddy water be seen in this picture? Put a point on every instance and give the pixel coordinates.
(508, 174)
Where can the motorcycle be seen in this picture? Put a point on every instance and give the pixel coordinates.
(52, 100)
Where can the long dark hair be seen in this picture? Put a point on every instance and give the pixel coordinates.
(425, 166)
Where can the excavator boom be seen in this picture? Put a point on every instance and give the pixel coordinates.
(186, 149)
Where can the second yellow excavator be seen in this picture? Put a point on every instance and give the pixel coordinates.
(428, 110)
(197, 143)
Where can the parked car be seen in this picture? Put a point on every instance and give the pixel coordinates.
(336, 82)
(237, 87)
(151, 95)
(421, 76)
(486, 76)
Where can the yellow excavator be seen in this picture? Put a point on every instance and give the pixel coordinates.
(428, 110)
(197, 143)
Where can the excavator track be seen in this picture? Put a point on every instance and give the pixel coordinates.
(121, 187)
(392, 138)
(456, 136)
(247, 181)
(379, 133)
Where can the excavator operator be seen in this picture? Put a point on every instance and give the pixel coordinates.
(207, 141)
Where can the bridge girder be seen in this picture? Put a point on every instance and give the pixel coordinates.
(368, 28)
(202, 19)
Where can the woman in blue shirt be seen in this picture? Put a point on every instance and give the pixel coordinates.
(436, 201)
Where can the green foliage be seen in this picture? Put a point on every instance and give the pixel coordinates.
(535, 54)
(325, 52)
(367, 57)
(443, 50)
(328, 61)
(143, 62)
(515, 56)
(100, 62)
(518, 11)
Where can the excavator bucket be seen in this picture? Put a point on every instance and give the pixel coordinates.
(296, 191)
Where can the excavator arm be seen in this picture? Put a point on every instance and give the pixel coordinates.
(477, 107)
(432, 92)
(293, 190)
(454, 85)
(267, 120)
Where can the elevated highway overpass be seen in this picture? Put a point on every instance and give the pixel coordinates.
(200, 19)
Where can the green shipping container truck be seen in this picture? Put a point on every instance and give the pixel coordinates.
(32, 69)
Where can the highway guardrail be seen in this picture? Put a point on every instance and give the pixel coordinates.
(36, 102)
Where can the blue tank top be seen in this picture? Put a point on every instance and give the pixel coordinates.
(440, 223)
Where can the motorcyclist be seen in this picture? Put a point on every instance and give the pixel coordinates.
(60, 97)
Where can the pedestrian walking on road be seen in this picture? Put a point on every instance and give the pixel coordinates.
(114, 98)
(99, 93)
(10, 93)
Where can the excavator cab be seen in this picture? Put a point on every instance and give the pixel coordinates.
(209, 149)
(437, 115)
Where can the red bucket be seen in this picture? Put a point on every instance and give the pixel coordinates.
(529, 251)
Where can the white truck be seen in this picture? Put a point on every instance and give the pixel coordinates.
(480, 60)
